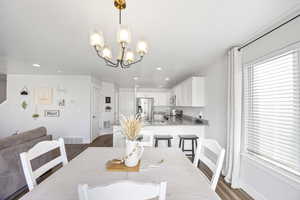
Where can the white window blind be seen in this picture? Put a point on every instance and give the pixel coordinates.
(272, 110)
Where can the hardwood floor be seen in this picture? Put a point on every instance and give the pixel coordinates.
(223, 188)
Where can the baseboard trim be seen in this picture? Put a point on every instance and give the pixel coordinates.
(252, 192)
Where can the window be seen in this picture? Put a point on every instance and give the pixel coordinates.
(272, 110)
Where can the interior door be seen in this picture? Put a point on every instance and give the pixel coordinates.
(97, 111)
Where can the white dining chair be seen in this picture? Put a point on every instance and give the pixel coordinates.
(125, 190)
(147, 140)
(38, 150)
(216, 167)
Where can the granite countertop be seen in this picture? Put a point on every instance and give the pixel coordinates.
(176, 121)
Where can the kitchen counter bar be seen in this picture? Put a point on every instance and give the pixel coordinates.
(174, 126)
(175, 121)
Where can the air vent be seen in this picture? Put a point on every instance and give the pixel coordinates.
(73, 140)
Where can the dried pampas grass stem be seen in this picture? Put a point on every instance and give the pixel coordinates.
(131, 127)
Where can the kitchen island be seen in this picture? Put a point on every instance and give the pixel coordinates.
(173, 126)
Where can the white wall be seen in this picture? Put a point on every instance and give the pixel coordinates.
(126, 101)
(215, 110)
(74, 120)
(259, 181)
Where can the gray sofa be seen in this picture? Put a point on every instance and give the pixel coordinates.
(12, 179)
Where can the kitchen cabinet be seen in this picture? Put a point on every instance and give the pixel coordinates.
(160, 98)
(191, 92)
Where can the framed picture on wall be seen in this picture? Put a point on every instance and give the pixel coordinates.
(52, 113)
(43, 96)
(107, 100)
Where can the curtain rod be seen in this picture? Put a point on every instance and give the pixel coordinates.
(267, 33)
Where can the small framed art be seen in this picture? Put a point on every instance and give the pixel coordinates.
(52, 113)
(107, 100)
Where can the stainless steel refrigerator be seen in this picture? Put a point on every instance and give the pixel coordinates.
(144, 107)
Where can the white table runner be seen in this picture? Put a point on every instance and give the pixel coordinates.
(185, 182)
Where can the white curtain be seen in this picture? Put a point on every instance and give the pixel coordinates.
(234, 118)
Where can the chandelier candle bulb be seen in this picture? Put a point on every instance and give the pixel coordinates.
(142, 48)
(129, 56)
(96, 39)
(106, 53)
(124, 35)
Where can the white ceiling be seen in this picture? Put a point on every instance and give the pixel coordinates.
(183, 36)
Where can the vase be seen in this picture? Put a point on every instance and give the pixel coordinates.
(134, 152)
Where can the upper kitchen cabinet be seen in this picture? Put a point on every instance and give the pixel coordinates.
(161, 98)
(191, 92)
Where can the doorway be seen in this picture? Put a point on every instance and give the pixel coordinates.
(96, 112)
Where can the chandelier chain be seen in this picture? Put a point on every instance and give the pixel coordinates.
(120, 16)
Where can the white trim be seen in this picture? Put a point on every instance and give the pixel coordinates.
(85, 141)
(278, 172)
(252, 192)
(75, 140)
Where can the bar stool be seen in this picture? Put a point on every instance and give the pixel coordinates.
(193, 138)
(163, 137)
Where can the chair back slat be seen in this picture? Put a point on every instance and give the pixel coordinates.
(147, 138)
(208, 163)
(216, 167)
(38, 150)
(40, 171)
(124, 190)
(212, 145)
(42, 148)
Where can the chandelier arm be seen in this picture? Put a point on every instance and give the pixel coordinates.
(121, 61)
(106, 60)
(124, 65)
(110, 65)
(123, 52)
(137, 61)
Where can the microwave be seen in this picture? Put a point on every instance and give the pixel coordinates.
(173, 100)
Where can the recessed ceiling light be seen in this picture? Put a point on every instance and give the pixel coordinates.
(59, 71)
(167, 78)
(158, 68)
(161, 86)
(36, 65)
(135, 78)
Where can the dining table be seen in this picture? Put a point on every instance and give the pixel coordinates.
(184, 180)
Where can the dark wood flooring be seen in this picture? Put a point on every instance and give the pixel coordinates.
(72, 150)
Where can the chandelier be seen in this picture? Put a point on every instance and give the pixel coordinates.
(126, 56)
